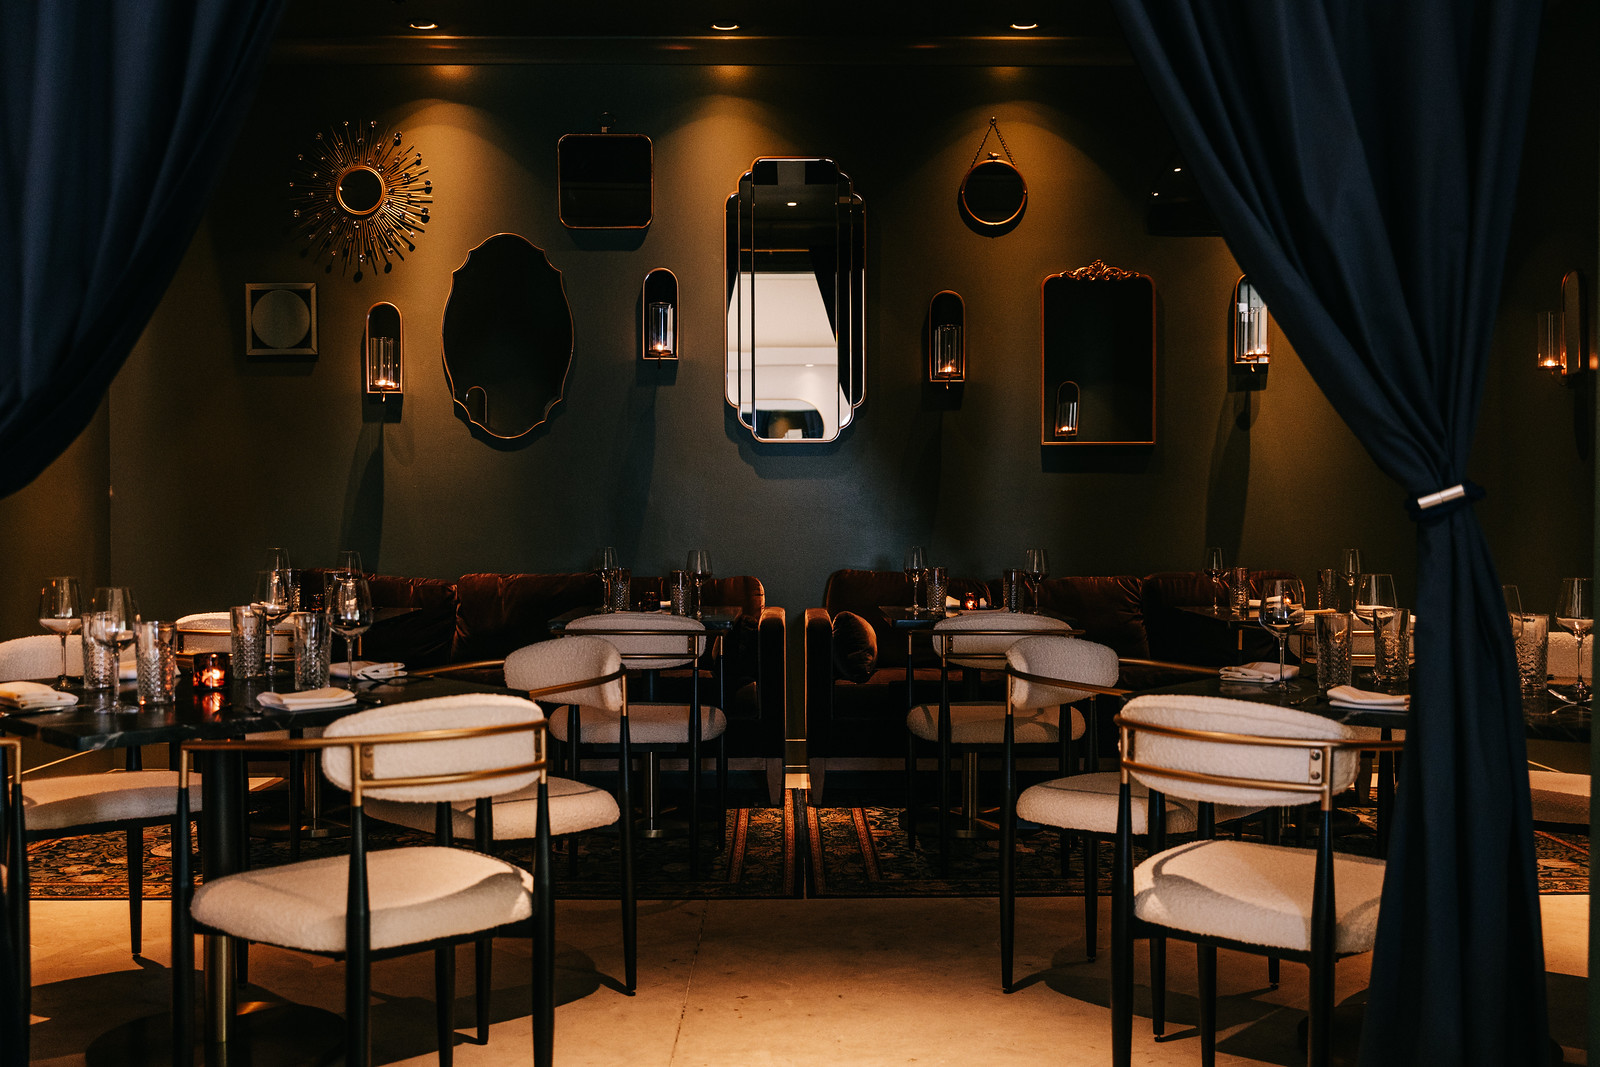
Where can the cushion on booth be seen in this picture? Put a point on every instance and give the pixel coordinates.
(855, 647)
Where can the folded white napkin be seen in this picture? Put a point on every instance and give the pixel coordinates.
(29, 695)
(327, 697)
(367, 669)
(1348, 696)
(1261, 671)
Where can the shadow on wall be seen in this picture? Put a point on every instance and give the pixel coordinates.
(1228, 486)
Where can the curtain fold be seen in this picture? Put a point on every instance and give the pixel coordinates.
(115, 120)
(1362, 161)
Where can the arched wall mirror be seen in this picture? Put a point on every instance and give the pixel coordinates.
(796, 359)
(507, 336)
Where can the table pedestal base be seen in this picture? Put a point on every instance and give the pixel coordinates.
(264, 1034)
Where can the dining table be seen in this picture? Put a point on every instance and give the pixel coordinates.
(112, 718)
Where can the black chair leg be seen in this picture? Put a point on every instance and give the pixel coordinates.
(911, 789)
(1207, 955)
(1158, 986)
(483, 977)
(136, 888)
(444, 1001)
(1091, 893)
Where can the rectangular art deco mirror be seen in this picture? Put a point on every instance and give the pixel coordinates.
(1097, 357)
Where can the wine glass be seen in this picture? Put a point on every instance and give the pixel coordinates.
(61, 612)
(605, 565)
(112, 614)
(274, 599)
(1037, 564)
(699, 567)
(916, 563)
(348, 562)
(352, 615)
(1349, 569)
(1374, 591)
(1214, 570)
(1282, 605)
(1575, 613)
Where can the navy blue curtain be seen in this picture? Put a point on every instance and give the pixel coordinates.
(115, 120)
(1362, 160)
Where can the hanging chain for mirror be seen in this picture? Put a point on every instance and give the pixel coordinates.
(994, 128)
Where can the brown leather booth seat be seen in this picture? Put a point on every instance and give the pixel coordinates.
(487, 616)
(855, 695)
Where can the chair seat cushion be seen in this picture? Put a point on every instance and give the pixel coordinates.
(1088, 802)
(417, 895)
(52, 804)
(1257, 894)
(574, 807)
(1559, 797)
(648, 724)
(985, 724)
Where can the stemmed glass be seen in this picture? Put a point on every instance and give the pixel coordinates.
(1575, 613)
(699, 568)
(1215, 569)
(1513, 609)
(352, 615)
(1282, 605)
(61, 612)
(274, 599)
(916, 563)
(1349, 569)
(1374, 591)
(1037, 564)
(112, 614)
(606, 567)
(348, 562)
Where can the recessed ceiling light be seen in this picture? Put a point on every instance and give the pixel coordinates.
(1024, 25)
(424, 25)
(725, 27)
(794, 203)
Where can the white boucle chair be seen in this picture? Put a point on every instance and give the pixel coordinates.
(1310, 906)
(369, 906)
(75, 805)
(648, 642)
(1560, 800)
(977, 641)
(584, 668)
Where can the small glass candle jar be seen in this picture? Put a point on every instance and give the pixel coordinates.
(970, 601)
(210, 670)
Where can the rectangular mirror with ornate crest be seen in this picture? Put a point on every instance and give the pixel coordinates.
(1097, 336)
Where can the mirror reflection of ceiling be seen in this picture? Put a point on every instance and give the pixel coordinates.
(795, 360)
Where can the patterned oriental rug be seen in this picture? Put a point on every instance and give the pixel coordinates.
(764, 853)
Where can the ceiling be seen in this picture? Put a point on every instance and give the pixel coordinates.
(1064, 31)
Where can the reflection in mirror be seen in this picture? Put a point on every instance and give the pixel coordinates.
(507, 336)
(796, 354)
(1097, 332)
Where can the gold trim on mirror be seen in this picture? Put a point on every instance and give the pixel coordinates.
(1097, 333)
(359, 196)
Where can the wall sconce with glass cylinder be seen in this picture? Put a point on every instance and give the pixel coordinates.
(1067, 397)
(947, 352)
(659, 311)
(1563, 344)
(383, 351)
(1552, 353)
(1250, 348)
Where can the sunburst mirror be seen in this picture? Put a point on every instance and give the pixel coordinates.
(359, 198)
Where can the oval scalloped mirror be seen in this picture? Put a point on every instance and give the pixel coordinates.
(507, 336)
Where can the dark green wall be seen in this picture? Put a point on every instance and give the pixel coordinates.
(214, 456)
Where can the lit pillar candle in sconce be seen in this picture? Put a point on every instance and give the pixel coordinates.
(661, 328)
(1250, 344)
(1067, 409)
(1552, 357)
(383, 366)
(947, 355)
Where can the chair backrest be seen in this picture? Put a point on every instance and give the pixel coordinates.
(457, 756)
(1206, 761)
(566, 662)
(986, 635)
(1067, 659)
(206, 631)
(647, 640)
(39, 656)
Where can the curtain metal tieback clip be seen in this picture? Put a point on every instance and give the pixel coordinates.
(1432, 500)
(1434, 507)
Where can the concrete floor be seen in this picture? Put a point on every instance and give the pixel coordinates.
(755, 982)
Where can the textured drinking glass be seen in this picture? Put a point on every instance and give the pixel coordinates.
(1391, 647)
(248, 644)
(1327, 588)
(621, 589)
(99, 661)
(1013, 584)
(938, 579)
(1239, 592)
(155, 651)
(313, 647)
(1533, 651)
(680, 591)
(1333, 650)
